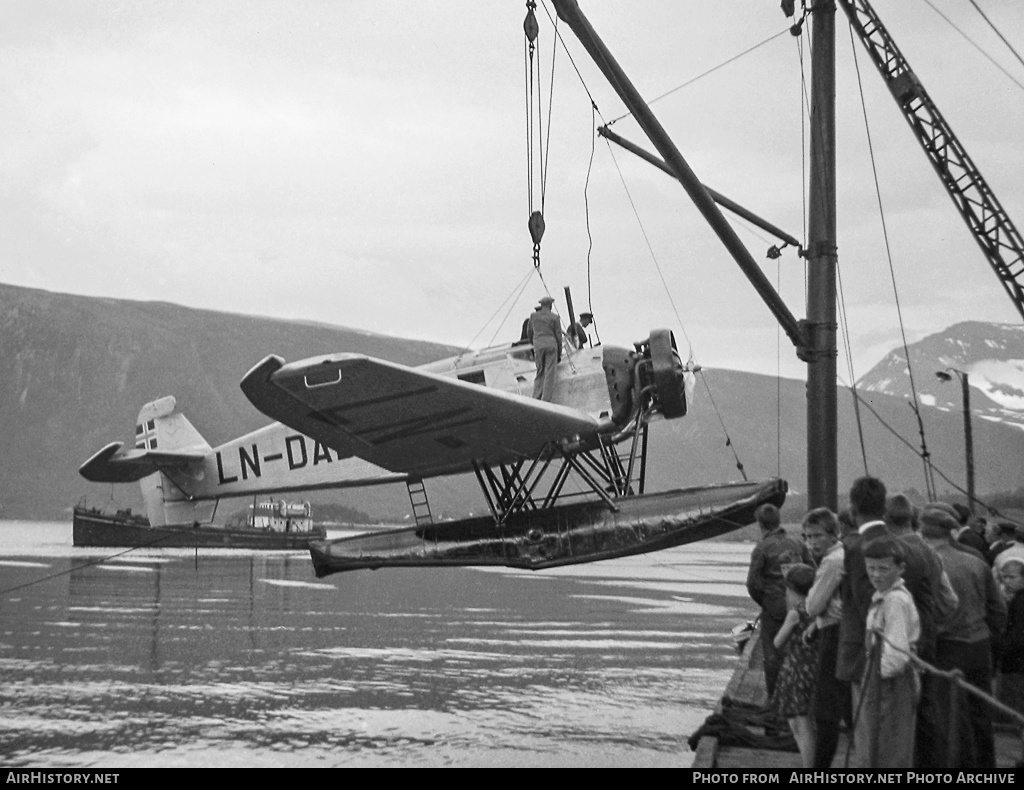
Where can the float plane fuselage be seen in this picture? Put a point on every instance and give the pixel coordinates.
(348, 420)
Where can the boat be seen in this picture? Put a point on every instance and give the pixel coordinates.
(272, 526)
(562, 535)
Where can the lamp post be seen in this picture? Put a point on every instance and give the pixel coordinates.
(945, 375)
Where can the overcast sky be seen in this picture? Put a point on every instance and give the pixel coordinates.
(364, 164)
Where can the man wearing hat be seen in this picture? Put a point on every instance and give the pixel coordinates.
(964, 643)
(577, 332)
(1005, 538)
(546, 336)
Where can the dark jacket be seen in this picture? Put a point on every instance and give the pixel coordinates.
(765, 583)
(1009, 646)
(856, 591)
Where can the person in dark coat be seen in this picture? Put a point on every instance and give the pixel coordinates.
(936, 602)
(577, 331)
(1009, 645)
(966, 532)
(867, 507)
(964, 643)
(1005, 536)
(771, 557)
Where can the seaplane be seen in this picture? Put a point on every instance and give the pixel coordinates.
(563, 480)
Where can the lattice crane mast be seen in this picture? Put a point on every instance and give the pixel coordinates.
(997, 236)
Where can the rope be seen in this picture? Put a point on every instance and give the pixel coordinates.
(954, 676)
(849, 365)
(925, 455)
(706, 73)
(518, 291)
(586, 208)
(668, 293)
(853, 390)
(1009, 46)
(88, 564)
(976, 46)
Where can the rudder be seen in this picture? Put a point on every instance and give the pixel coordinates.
(161, 427)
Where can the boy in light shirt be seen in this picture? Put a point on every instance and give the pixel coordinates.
(885, 705)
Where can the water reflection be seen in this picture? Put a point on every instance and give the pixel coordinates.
(236, 658)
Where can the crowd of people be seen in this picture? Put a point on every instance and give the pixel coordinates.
(851, 614)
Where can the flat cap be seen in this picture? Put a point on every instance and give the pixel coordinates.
(938, 517)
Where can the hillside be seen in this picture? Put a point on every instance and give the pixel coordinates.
(79, 368)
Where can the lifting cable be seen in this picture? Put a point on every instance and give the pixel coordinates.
(594, 113)
(1009, 46)
(867, 404)
(805, 105)
(511, 300)
(668, 293)
(925, 455)
(704, 74)
(536, 162)
(974, 44)
(595, 110)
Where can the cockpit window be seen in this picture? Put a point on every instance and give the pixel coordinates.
(473, 377)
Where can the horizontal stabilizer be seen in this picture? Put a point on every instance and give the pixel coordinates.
(113, 464)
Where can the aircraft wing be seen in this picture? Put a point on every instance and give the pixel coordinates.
(114, 465)
(404, 419)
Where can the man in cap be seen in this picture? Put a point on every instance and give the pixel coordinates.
(546, 336)
(578, 333)
(1005, 536)
(965, 532)
(964, 643)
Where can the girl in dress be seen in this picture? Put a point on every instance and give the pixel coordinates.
(794, 690)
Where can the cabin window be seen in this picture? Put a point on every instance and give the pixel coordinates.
(473, 377)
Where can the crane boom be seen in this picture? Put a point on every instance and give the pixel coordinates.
(997, 236)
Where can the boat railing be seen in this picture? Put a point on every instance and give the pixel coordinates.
(957, 686)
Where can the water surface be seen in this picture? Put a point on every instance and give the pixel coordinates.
(242, 658)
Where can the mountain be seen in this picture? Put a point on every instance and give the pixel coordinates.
(77, 369)
(992, 356)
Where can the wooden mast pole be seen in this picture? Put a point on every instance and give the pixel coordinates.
(822, 263)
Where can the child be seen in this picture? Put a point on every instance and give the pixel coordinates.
(885, 701)
(1009, 646)
(794, 689)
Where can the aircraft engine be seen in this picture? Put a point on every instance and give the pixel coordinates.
(653, 373)
(665, 374)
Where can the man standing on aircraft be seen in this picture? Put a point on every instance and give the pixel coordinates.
(546, 336)
(578, 331)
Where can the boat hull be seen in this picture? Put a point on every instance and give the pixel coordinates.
(93, 529)
(565, 535)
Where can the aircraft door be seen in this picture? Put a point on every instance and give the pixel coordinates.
(519, 371)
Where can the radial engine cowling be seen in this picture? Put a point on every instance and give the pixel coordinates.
(653, 373)
(667, 374)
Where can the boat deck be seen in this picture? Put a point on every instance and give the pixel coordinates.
(746, 686)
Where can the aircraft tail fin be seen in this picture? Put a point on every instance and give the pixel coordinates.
(162, 431)
(165, 441)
